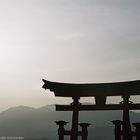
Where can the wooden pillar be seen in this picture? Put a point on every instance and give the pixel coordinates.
(137, 125)
(84, 130)
(74, 130)
(61, 129)
(127, 134)
(118, 129)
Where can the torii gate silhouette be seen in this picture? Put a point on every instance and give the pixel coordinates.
(100, 91)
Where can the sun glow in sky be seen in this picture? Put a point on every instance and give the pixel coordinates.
(65, 41)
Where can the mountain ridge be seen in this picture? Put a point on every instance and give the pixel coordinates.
(39, 122)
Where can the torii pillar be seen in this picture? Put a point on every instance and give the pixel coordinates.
(74, 130)
(127, 133)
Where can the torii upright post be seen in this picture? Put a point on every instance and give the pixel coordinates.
(74, 130)
(126, 120)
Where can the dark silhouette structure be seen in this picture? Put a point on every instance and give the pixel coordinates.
(61, 129)
(137, 131)
(62, 132)
(118, 129)
(100, 91)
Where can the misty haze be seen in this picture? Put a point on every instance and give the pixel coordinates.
(66, 41)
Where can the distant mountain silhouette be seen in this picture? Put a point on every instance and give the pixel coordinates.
(39, 122)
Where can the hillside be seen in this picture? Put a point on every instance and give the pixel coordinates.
(39, 122)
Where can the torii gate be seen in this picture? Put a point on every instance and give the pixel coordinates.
(100, 91)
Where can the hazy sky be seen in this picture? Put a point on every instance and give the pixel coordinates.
(65, 41)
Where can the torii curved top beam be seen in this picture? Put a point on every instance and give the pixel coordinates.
(93, 89)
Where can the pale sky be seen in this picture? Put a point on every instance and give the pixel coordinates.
(65, 41)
